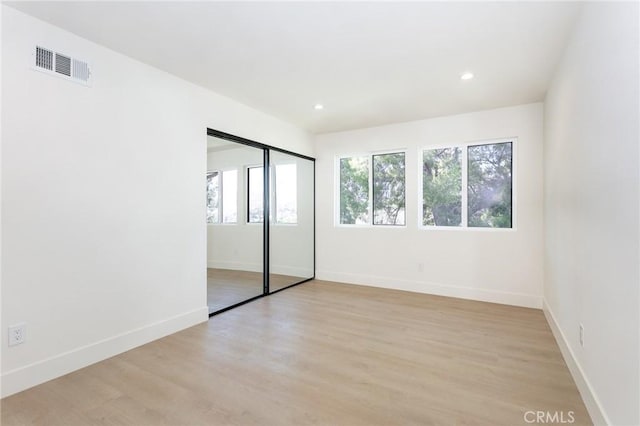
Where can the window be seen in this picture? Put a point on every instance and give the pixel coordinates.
(485, 171)
(388, 189)
(222, 196)
(354, 191)
(213, 197)
(255, 182)
(489, 185)
(230, 196)
(442, 187)
(375, 184)
(286, 193)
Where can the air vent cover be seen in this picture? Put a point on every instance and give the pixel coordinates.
(44, 58)
(62, 65)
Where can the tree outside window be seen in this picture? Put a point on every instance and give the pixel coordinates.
(389, 189)
(487, 177)
(354, 190)
(442, 187)
(489, 185)
(375, 182)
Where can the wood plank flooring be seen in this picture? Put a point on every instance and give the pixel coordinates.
(324, 354)
(226, 287)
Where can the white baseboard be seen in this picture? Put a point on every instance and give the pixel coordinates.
(22, 378)
(291, 271)
(483, 295)
(591, 401)
(257, 267)
(234, 266)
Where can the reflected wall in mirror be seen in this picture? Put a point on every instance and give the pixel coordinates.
(234, 241)
(291, 230)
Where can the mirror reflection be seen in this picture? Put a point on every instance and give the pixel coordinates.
(234, 240)
(291, 230)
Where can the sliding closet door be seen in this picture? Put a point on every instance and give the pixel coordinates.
(235, 223)
(291, 228)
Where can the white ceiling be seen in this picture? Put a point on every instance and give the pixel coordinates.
(369, 63)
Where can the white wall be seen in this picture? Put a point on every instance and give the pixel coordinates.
(503, 266)
(103, 207)
(591, 169)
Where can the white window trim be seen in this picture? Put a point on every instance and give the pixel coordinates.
(336, 189)
(463, 147)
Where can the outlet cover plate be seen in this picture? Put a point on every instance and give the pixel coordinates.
(17, 334)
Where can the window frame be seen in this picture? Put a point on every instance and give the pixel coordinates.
(336, 189)
(464, 158)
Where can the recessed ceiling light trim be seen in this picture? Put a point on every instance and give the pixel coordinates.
(466, 75)
(318, 107)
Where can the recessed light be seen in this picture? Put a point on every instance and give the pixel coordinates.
(466, 76)
(318, 106)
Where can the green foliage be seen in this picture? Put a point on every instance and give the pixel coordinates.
(389, 189)
(442, 187)
(489, 185)
(354, 190)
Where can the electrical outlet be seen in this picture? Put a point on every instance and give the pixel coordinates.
(17, 334)
(420, 267)
(581, 335)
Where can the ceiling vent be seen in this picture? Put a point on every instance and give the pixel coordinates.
(61, 65)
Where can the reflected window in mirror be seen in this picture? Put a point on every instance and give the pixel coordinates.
(255, 189)
(230, 196)
(213, 197)
(222, 196)
(286, 193)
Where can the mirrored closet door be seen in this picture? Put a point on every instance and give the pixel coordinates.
(235, 257)
(291, 231)
(260, 220)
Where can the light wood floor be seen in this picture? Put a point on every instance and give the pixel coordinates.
(226, 287)
(325, 354)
